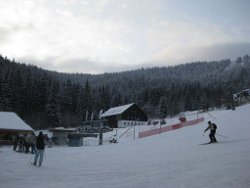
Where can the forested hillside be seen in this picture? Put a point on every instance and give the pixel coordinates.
(48, 99)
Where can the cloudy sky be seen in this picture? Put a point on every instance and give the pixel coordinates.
(97, 36)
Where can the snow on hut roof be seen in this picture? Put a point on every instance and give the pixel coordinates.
(116, 110)
(62, 129)
(11, 121)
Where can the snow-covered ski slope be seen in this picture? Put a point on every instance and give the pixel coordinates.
(172, 159)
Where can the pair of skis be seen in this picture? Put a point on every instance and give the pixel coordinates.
(208, 143)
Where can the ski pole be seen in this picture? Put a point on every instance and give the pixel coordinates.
(221, 135)
(45, 156)
(29, 160)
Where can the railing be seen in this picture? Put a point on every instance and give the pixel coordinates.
(95, 142)
(170, 127)
(6, 142)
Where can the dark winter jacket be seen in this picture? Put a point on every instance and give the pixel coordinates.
(40, 145)
(211, 126)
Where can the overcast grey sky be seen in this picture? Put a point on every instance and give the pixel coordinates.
(97, 36)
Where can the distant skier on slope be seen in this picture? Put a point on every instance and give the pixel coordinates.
(212, 127)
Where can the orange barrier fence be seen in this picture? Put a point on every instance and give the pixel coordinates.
(170, 127)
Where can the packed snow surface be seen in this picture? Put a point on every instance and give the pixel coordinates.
(168, 160)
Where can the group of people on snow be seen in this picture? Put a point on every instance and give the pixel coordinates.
(24, 143)
(36, 143)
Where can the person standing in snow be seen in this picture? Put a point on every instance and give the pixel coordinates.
(40, 146)
(28, 143)
(212, 127)
(21, 143)
(15, 143)
(31, 140)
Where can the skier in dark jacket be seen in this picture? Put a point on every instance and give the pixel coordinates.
(212, 128)
(40, 149)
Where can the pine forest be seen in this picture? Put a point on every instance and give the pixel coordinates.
(46, 98)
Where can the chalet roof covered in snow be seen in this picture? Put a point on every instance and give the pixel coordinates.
(62, 129)
(12, 122)
(116, 110)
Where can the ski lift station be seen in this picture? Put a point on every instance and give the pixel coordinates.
(61, 134)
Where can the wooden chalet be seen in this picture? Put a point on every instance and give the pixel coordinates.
(12, 126)
(124, 116)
